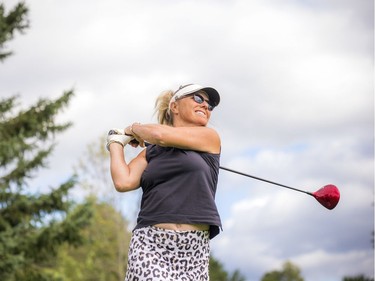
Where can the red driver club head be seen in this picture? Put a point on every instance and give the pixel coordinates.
(328, 196)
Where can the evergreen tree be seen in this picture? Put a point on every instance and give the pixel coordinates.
(32, 225)
(15, 20)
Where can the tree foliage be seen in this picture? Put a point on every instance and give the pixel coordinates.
(218, 272)
(358, 278)
(32, 225)
(289, 272)
(15, 20)
(94, 173)
(103, 256)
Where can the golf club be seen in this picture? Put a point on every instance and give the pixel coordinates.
(328, 196)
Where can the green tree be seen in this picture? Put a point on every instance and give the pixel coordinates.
(94, 173)
(94, 177)
(289, 272)
(358, 278)
(15, 20)
(237, 276)
(218, 273)
(96, 258)
(32, 225)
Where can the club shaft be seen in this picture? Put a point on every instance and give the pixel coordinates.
(258, 178)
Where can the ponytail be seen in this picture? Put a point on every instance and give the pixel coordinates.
(162, 108)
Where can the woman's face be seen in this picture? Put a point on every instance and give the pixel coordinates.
(190, 112)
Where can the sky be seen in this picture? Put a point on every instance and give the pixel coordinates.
(297, 107)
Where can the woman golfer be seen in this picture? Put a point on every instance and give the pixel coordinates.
(178, 172)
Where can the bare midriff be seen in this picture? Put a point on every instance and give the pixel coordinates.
(182, 226)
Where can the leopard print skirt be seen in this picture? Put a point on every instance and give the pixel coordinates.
(157, 254)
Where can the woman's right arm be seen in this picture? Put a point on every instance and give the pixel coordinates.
(126, 177)
(199, 138)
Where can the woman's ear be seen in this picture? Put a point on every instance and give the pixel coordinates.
(174, 107)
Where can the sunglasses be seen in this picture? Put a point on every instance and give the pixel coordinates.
(200, 99)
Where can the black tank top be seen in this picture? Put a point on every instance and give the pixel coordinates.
(179, 186)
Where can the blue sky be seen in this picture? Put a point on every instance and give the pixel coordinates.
(297, 107)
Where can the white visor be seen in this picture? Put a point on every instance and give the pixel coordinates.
(185, 90)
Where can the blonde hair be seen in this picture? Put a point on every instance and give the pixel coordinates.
(162, 111)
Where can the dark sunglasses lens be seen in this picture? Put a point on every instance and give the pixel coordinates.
(199, 99)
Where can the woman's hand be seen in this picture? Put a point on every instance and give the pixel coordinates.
(117, 136)
(137, 140)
